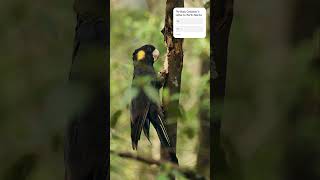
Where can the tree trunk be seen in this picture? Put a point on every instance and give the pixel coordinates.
(306, 109)
(173, 83)
(203, 157)
(302, 145)
(259, 127)
(221, 18)
(86, 147)
(274, 139)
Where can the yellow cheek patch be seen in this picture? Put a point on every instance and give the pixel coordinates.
(141, 54)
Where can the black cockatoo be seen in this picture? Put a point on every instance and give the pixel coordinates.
(144, 109)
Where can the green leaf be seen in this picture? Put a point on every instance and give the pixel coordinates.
(162, 177)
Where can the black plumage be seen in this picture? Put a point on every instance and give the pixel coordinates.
(144, 109)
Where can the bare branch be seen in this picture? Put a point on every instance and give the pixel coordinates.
(188, 173)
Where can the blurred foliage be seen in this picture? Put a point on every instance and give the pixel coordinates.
(267, 106)
(37, 43)
(130, 29)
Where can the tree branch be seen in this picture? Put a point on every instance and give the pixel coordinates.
(188, 173)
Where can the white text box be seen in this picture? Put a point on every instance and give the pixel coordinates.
(189, 22)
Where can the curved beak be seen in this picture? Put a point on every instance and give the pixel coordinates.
(155, 54)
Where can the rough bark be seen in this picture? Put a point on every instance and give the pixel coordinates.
(221, 18)
(86, 156)
(173, 84)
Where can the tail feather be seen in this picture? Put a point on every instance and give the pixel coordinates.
(136, 128)
(164, 137)
(161, 131)
(146, 128)
(135, 134)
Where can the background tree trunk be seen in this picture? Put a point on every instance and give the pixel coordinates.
(306, 109)
(203, 156)
(253, 128)
(86, 148)
(173, 84)
(221, 18)
(265, 140)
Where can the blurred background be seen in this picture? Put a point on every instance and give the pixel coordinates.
(133, 24)
(271, 119)
(35, 53)
(270, 127)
